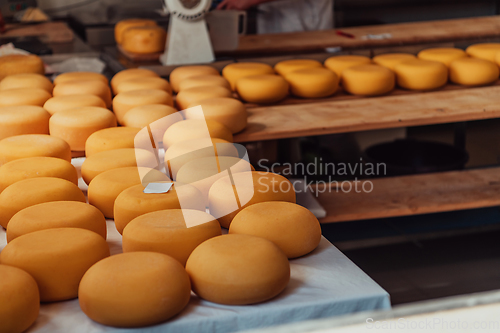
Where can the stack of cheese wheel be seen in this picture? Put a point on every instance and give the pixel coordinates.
(140, 36)
(20, 64)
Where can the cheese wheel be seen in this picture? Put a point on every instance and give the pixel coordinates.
(128, 74)
(473, 72)
(285, 67)
(19, 300)
(32, 191)
(133, 202)
(19, 64)
(368, 80)
(182, 152)
(32, 167)
(134, 289)
(112, 159)
(195, 129)
(56, 214)
(123, 25)
(127, 100)
(27, 80)
(75, 125)
(228, 111)
(84, 87)
(143, 115)
(24, 96)
(486, 51)
(56, 258)
(144, 40)
(141, 83)
(110, 139)
(204, 80)
(28, 119)
(105, 187)
(337, 64)
(238, 270)
(234, 72)
(193, 96)
(262, 89)
(67, 102)
(30, 145)
(80, 76)
(204, 172)
(391, 60)
(290, 226)
(313, 82)
(182, 73)
(421, 74)
(444, 55)
(174, 232)
(251, 188)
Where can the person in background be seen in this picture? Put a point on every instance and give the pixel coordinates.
(276, 16)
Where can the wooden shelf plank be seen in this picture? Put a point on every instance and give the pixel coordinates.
(402, 33)
(361, 114)
(413, 195)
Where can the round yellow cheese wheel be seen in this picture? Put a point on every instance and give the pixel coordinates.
(123, 25)
(110, 139)
(486, 51)
(30, 145)
(290, 226)
(19, 300)
(251, 188)
(144, 40)
(39, 166)
(75, 125)
(228, 111)
(313, 82)
(134, 289)
(112, 159)
(128, 74)
(56, 258)
(67, 102)
(143, 115)
(337, 64)
(141, 83)
(238, 270)
(262, 89)
(195, 129)
(133, 202)
(204, 80)
(285, 67)
(182, 73)
(473, 71)
(205, 171)
(174, 232)
(23, 119)
(234, 72)
(105, 187)
(192, 96)
(84, 87)
(368, 80)
(182, 152)
(26, 80)
(391, 60)
(32, 191)
(24, 96)
(19, 64)
(56, 214)
(127, 100)
(80, 76)
(444, 55)
(421, 74)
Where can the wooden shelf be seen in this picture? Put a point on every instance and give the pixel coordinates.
(401, 34)
(413, 195)
(361, 114)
